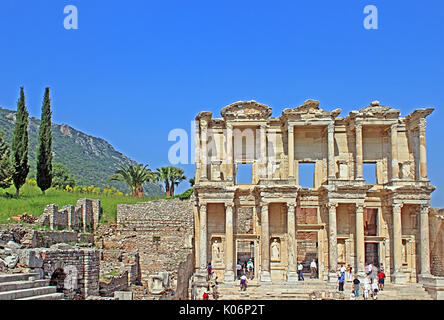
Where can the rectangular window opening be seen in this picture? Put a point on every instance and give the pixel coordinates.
(244, 174)
(369, 173)
(306, 175)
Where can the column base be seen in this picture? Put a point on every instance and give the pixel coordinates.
(292, 277)
(425, 277)
(399, 278)
(332, 277)
(229, 276)
(265, 276)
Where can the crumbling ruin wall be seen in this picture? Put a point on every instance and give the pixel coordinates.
(162, 232)
(84, 216)
(436, 222)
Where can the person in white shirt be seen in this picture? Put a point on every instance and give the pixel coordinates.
(238, 269)
(250, 269)
(300, 274)
(243, 282)
(342, 269)
(314, 269)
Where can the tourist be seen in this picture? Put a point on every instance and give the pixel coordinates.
(381, 277)
(374, 273)
(348, 273)
(250, 269)
(243, 282)
(369, 269)
(342, 269)
(238, 269)
(215, 293)
(375, 289)
(367, 287)
(300, 273)
(356, 284)
(341, 280)
(206, 296)
(314, 269)
(210, 270)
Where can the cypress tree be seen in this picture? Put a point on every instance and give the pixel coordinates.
(20, 145)
(44, 147)
(5, 164)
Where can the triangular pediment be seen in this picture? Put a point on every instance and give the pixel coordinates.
(375, 110)
(310, 110)
(246, 110)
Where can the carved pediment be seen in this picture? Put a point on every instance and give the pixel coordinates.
(246, 110)
(310, 110)
(375, 110)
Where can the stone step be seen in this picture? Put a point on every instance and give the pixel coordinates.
(24, 293)
(18, 277)
(51, 296)
(17, 285)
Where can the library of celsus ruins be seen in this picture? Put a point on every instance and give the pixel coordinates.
(367, 202)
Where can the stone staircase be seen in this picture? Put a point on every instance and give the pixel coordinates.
(26, 286)
(304, 290)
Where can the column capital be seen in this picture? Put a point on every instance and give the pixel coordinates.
(204, 124)
(291, 204)
(290, 127)
(263, 126)
(331, 127)
(424, 208)
(332, 205)
(203, 206)
(229, 204)
(358, 125)
(397, 206)
(229, 126)
(360, 206)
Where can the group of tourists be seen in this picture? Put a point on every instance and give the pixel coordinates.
(371, 284)
(245, 272)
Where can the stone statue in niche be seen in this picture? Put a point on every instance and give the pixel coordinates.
(341, 252)
(275, 250)
(216, 251)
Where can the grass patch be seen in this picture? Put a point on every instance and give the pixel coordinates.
(33, 202)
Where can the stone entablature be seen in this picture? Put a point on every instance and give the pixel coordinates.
(351, 221)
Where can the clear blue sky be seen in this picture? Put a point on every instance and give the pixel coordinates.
(136, 69)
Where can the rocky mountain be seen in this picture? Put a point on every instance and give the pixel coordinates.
(90, 159)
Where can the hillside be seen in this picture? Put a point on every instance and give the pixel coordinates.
(91, 160)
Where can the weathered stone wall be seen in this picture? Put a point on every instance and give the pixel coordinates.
(115, 283)
(436, 221)
(162, 232)
(82, 217)
(31, 238)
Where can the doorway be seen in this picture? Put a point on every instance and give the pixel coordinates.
(245, 252)
(371, 253)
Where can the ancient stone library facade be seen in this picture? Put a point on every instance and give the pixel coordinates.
(367, 201)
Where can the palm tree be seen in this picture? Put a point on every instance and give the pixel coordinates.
(134, 177)
(164, 175)
(176, 178)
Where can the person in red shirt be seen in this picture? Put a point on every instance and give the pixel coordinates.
(381, 277)
(206, 296)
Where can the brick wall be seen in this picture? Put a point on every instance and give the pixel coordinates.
(162, 232)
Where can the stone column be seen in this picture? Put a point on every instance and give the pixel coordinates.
(394, 142)
(197, 148)
(229, 242)
(359, 158)
(331, 150)
(332, 242)
(292, 253)
(263, 152)
(229, 155)
(422, 150)
(204, 151)
(397, 276)
(360, 243)
(425, 244)
(291, 151)
(203, 237)
(265, 244)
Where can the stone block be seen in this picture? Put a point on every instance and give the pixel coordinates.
(13, 245)
(30, 258)
(123, 295)
(11, 261)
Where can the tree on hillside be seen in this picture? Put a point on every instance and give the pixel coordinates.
(134, 177)
(61, 176)
(176, 178)
(20, 145)
(44, 147)
(6, 168)
(191, 181)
